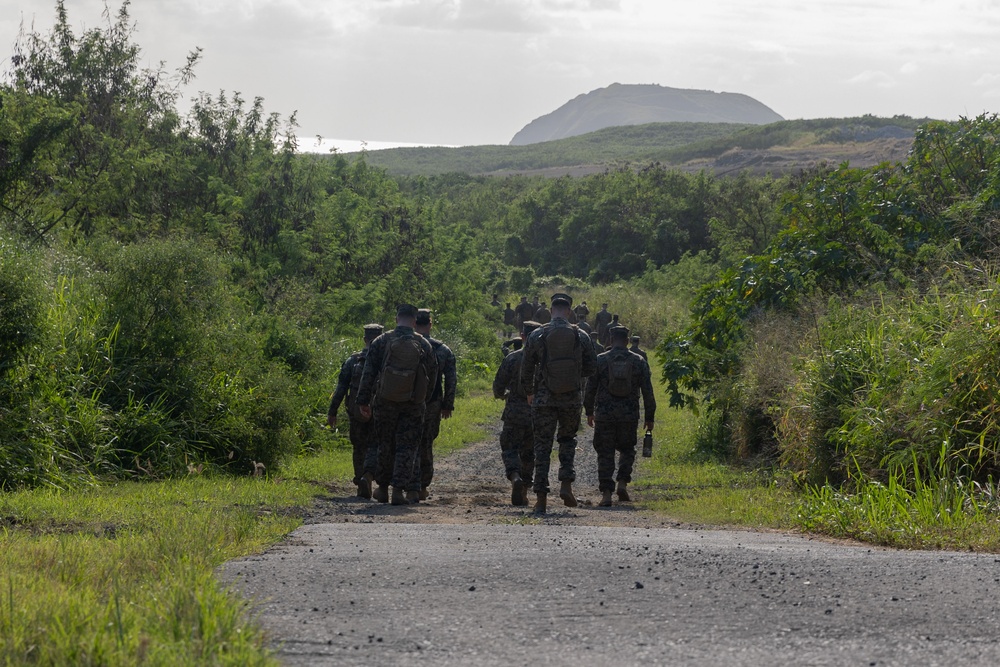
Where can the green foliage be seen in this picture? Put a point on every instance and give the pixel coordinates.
(893, 375)
(20, 303)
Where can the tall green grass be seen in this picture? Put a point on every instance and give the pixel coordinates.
(935, 512)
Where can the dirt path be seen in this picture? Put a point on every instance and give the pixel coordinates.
(469, 487)
(465, 579)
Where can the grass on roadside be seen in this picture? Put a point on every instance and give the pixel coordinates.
(927, 514)
(678, 483)
(124, 574)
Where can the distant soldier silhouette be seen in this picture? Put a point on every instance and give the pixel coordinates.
(582, 312)
(542, 315)
(635, 349)
(496, 302)
(508, 316)
(602, 320)
(523, 312)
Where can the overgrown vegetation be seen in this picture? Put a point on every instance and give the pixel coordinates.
(859, 350)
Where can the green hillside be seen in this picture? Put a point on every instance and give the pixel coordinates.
(614, 144)
(667, 143)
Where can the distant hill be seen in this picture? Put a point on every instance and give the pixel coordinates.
(640, 104)
(780, 148)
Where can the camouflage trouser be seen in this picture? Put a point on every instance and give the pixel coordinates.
(398, 428)
(362, 436)
(517, 448)
(432, 426)
(610, 437)
(545, 420)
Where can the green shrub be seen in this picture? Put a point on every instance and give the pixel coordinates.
(21, 302)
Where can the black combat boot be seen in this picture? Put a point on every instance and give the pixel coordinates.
(540, 499)
(517, 497)
(605, 499)
(623, 491)
(365, 486)
(566, 493)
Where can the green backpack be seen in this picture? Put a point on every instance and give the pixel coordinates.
(562, 360)
(403, 377)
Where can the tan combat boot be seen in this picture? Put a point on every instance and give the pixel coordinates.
(623, 492)
(365, 486)
(397, 497)
(517, 490)
(413, 497)
(566, 493)
(540, 499)
(605, 499)
(424, 493)
(381, 494)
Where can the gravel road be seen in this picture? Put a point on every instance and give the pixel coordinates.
(464, 579)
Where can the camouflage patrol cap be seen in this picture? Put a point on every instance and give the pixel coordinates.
(635, 339)
(514, 343)
(423, 316)
(562, 299)
(529, 326)
(406, 310)
(619, 332)
(373, 331)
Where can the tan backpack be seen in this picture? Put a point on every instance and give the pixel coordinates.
(404, 378)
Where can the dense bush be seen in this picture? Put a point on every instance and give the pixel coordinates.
(893, 373)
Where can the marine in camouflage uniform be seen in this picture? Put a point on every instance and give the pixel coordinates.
(508, 316)
(635, 349)
(602, 320)
(550, 411)
(398, 425)
(362, 432)
(616, 418)
(523, 312)
(517, 443)
(440, 399)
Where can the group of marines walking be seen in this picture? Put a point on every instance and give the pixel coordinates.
(398, 389)
(403, 383)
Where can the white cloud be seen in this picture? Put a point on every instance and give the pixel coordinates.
(987, 80)
(873, 77)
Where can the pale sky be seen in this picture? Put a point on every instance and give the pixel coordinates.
(464, 72)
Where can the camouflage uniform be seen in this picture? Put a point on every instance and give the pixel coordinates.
(508, 316)
(549, 410)
(361, 432)
(603, 322)
(441, 396)
(517, 444)
(616, 418)
(523, 313)
(398, 426)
